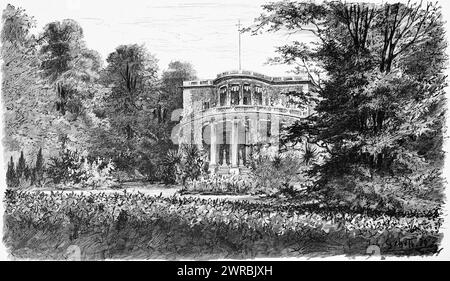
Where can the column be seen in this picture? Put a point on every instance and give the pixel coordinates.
(213, 132)
(263, 96)
(228, 101)
(253, 122)
(247, 142)
(241, 94)
(198, 134)
(275, 131)
(234, 144)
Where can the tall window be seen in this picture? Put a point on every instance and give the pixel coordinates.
(258, 95)
(234, 90)
(247, 94)
(223, 96)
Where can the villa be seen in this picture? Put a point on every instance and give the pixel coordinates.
(237, 112)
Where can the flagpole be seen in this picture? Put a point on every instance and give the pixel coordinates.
(239, 30)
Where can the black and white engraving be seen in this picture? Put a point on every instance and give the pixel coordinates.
(223, 130)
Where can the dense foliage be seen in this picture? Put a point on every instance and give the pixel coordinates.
(368, 162)
(72, 170)
(26, 101)
(276, 173)
(377, 72)
(139, 226)
(58, 95)
(192, 164)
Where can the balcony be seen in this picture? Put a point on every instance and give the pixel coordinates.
(236, 73)
(262, 76)
(295, 113)
(197, 83)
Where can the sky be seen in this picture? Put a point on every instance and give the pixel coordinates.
(202, 32)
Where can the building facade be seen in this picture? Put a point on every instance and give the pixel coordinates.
(233, 115)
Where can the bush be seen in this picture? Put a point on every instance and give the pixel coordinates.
(66, 168)
(221, 184)
(373, 192)
(71, 169)
(274, 173)
(167, 168)
(192, 164)
(97, 174)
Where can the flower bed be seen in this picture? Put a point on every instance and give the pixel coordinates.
(43, 225)
(220, 185)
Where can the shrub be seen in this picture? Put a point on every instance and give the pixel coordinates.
(192, 163)
(373, 192)
(221, 184)
(274, 173)
(66, 168)
(97, 174)
(309, 154)
(72, 170)
(167, 168)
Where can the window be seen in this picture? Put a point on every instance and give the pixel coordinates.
(258, 95)
(234, 90)
(247, 97)
(223, 96)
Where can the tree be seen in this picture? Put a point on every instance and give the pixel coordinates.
(170, 98)
(62, 47)
(11, 179)
(172, 83)
(38, 170)
(21, 166)
(72, 70)
(128, 106)
(382, 104)
(26, 100)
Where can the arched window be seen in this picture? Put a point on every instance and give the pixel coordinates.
(258, 95)
(247, 96)
(234, 90)
(223, 95)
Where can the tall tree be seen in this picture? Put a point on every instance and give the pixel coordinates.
(11, 179)
(382, 101)
(26, 100)
(21, 165)
(72, 70)
(169, 99)
(172, 83)
(131, 77)
(38, 171)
